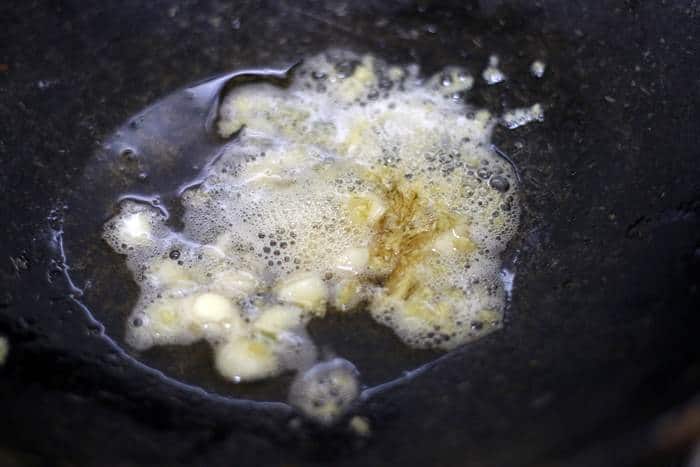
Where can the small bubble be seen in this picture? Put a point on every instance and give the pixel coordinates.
(128, 153)
(499, 183)
(174, 254)
(346, 68)
(385, 84)
(483, 173)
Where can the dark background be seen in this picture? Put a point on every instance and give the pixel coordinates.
(601, 336)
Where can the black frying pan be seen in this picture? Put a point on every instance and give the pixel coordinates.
(600, 338)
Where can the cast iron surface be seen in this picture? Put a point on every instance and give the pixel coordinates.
(601, 332)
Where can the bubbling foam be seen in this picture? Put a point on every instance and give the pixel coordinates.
(360, 185)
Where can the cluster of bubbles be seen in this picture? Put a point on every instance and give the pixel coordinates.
(363, 185)
(326, 391)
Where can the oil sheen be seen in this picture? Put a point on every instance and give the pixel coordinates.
(357, 187)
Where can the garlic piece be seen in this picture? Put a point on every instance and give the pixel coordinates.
(214, 308)
(279, 318)
(348, 293)
(234, 283)
(353, 260)
(168, 273)
(304, 289)
(366, 209)
(169, 322)
(245, 359)
(455, 240)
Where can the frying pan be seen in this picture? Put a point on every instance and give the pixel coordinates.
(597, 363)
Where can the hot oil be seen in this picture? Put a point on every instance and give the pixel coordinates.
(151, 159)
(169, 150)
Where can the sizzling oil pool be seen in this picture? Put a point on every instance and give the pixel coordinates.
(351, 187)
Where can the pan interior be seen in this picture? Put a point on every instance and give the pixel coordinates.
(174, 148)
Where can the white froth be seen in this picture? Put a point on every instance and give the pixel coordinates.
(326, 391)
(358, 185)
(522, 116)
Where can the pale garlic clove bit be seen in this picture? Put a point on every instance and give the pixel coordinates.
(353, 260)
(213, 308)
(455, 240)
(167, 273)
(366, 209)
(167, 322)
(245, 359)
(234, 283)
(347, 294)
(279, 318)
(306, 290)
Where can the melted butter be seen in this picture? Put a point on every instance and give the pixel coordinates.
(360, 186)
